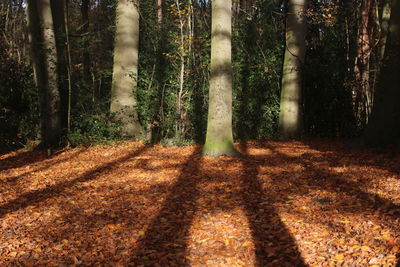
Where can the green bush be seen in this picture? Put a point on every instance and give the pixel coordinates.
(19, 102)
(93, 129)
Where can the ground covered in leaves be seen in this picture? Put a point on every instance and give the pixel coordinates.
(281, 204)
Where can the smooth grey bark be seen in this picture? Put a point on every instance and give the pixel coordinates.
(125, 70)
(219, 137)
(384, 125)
(44, 55)
(290, 116)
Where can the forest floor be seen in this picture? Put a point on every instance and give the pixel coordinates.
(310, 203)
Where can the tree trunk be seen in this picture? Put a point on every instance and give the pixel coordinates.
(58, 12)
(159, 4)
(86, 43)
(290, 117)
(363, 93)
(219, 138)
(384, 125)
(45, 62)
(35, 40)
(125, 70)
(384, 23)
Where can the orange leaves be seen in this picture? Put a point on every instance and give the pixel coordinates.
(339, 257)
(129, 204)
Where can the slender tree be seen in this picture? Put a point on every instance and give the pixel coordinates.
(34, 42)
(125, 70)
(363, 91)
(384, 125)
(290, 117)
(219, 137)
(85, 6)
(59, 21)
(45, 62)
(384, 25)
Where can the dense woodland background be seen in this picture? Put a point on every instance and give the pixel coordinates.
(79, 72)
(345, 46)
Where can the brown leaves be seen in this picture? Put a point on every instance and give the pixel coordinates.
(284, 203)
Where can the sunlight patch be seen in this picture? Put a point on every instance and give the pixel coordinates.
(221, 238)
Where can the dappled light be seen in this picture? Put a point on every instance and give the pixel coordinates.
(281, 204)
(118, 123)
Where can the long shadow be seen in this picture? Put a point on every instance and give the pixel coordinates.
(49, 164)
(165, 240)
(315, 177)
(378, 162)
(273, 242)
(24, 158)
(336, 182)
(35, 197)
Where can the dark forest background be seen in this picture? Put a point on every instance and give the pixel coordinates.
(173, 33)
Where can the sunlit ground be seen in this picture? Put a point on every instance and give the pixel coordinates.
(282, 204)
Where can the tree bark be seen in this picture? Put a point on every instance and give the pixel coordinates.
(384, 23)
(159, 4)
(85, 32)
(45, 62)
(58, 12)
(125, 70)
(35, 40)
(219, 137)
(384, 125)
(363, 93)
(290, 117)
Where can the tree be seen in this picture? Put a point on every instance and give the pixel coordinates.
(290, 117)
(125, 70)
(384, 16)
(219, 137)
(85, 6)
(363, 91)
(59, 22)
(45, 61)
(384, 125)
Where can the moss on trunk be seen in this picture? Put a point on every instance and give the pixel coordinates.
(219, 137)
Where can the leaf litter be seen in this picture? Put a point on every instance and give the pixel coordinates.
(310, 203)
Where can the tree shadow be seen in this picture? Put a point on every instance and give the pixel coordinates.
(166, 241)
(317, 177)
(358, 156)
(24, 158)
(274, 244)
(37, 196)
(51, 163)
(325, 179)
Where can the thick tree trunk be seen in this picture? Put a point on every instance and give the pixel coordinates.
(125, 70)
(45, 63)
(219, 138)
(384, 125)
(290, 117)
